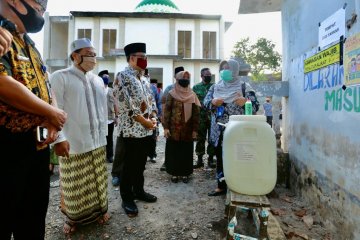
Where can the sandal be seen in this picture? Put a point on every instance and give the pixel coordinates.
(185, 179)
(103, 219)
(69, 227)
(174, 179)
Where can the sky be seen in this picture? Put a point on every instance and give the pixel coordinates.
(254, 26)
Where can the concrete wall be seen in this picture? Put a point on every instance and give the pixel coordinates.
(154, 32)
(323, 136)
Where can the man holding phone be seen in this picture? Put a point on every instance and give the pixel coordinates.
(26, 102)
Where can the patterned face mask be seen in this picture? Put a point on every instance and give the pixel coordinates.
(32, 21)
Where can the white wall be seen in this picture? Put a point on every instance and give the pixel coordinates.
(153, 32)
(323, 142)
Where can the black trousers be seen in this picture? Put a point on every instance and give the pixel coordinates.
(219, 163)
(24, 184)
(269, 120)
(119, 157)
(152, 149)
(132, 177)
(109, 141)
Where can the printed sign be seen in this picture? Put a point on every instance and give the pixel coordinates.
(322, 59)
(352, 60)
(332, 28)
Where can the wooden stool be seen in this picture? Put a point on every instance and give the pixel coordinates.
(259, 208)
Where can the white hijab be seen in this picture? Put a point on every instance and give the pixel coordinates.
(229, 90)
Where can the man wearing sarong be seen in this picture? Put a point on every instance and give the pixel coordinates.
(83, 174)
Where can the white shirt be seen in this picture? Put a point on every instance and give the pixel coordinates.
(83, 98)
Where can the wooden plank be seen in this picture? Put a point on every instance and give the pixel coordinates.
(249, 200)
(274, 229)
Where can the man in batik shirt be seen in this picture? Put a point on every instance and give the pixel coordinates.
(25, 104)
(137, 118)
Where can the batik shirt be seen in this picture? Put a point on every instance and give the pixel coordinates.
(229, 109)
(23, 63)
(135, 98)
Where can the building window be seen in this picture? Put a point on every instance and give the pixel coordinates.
(109, 41)
(184, 44)
(84, 33)
(209, 45)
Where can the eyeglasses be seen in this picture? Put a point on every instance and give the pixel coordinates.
(140, 56)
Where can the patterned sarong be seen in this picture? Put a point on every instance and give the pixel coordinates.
(83, 181)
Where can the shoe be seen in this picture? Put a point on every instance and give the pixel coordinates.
(198, 165)
(215, 193)
(163, 167)
(130, 208)
(211, 163)
(115, 181)
(146, 197)
(152, 160)
(174, 179)
(199, 162)
(185, 179)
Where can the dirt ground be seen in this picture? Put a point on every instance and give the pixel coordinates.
(183, 211)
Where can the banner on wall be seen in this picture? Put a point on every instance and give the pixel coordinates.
(332, 28)
(322, 59)
(352, 60)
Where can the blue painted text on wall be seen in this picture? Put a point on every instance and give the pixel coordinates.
(328, 77)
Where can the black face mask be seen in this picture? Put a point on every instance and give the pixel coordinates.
(207, 79)
(32, 21)
(184, 82)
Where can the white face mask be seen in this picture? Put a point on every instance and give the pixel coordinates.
(87, 63)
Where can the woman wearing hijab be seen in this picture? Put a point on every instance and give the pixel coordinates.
(224, 99)
(181, 123)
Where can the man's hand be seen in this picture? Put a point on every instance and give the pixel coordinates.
(5, 41)
(52, 133)
(217, 102)
(149, 124)
(167, 133)
(62, 149)
(57, 118)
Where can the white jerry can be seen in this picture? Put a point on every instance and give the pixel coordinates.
(249, 155)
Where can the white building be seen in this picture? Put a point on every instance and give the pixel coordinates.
(173, 39)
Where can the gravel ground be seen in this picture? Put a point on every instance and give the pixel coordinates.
(183, 211)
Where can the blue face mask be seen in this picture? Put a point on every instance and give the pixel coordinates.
(226, 75)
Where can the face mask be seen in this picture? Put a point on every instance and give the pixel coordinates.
(106, 80)
(141, 63)
(207, 79)
(32, 21)
(226, 75)
(87, 63)
(184, 82)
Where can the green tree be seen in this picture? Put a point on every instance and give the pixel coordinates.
(260, 55)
